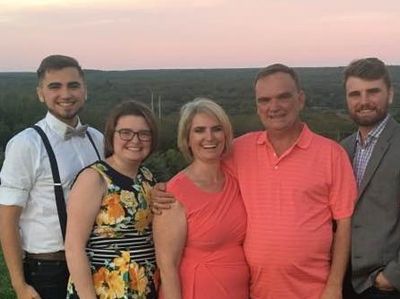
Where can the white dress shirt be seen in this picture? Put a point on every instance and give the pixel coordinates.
(27, 181)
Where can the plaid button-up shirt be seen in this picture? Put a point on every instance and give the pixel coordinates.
(364, 150)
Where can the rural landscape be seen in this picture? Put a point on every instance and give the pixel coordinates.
(165, 91)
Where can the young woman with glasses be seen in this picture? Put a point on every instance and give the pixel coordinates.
(109, 245)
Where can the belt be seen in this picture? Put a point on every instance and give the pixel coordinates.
(48, 256)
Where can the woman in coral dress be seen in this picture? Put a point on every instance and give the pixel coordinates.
(109, 246)
(199, 239)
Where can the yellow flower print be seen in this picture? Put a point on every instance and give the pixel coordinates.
(138, 280)
(99, 278)
(114, 209)
(128, 198)
(104, 231)
(147, 174)
(122, 262)
(103, 218)
(143, 219)
(116, 285)
(108, 284)
(145, 190)
(100, 168)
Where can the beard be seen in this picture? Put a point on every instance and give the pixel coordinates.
(369, 120)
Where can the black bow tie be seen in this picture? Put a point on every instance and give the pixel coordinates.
(79, 132)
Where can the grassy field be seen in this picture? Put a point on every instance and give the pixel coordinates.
(6, 291)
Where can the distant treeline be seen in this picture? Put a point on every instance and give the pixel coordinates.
(169, 89)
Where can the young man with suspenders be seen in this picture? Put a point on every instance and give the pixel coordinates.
(39, 167)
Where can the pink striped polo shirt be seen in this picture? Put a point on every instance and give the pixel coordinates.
(290, 202)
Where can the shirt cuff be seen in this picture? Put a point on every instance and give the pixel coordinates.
(13, 197)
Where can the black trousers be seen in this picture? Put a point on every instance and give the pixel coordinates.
(49, 278)
(374, 293)
(371, 293)
(348, 291)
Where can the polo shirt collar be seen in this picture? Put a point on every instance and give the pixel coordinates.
(302, 142)
(57, 125)
(305, 137)
(262, 138)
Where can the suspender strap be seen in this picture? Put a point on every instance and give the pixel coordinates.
(58, 191)
(92, 142)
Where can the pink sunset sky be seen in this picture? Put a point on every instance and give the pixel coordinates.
(159, 34)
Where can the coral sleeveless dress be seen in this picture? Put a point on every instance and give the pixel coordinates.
(213, 264)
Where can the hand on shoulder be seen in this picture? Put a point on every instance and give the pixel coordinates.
(161, 199)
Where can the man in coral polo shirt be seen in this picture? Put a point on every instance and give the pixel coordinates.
(295, 185)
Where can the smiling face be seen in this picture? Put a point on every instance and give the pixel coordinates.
(206, 138)
(134, 150)
(367, 101)
(279, 102)
(63, 91)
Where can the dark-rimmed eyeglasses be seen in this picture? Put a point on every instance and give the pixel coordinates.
(128, 134)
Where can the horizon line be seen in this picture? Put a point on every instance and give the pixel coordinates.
(174, 69)
(185, 68)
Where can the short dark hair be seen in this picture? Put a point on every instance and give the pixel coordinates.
(278, 68)
(370, 68)
(57, 62)
(123, 109)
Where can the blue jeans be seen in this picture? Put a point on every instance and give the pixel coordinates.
(374, 293)
(49, 278)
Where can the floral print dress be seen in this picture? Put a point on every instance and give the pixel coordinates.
(120, 248)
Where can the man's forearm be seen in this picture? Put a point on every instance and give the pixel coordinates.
(11, 244)
(340, 253)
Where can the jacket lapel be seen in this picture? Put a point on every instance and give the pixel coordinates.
(350, 147)
(378, 153)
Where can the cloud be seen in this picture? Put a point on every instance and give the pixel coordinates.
(26, 5)
(76, 13)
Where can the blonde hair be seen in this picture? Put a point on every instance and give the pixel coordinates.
(188, 112)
